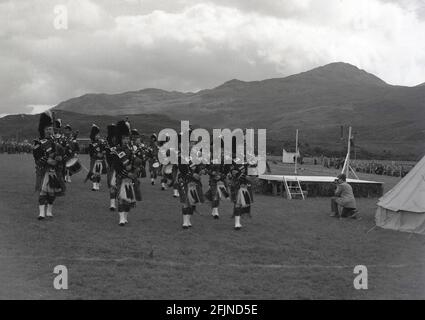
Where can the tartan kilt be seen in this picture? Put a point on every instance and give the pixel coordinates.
(185, 188)
(126, 193)
(51, 184)
(234, 189)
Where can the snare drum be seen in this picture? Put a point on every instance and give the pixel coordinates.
(155, 165)
(73, 166)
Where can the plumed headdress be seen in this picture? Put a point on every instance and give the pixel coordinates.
(112, 132)
(94, 131)
(58, 123)
(123, 129)
(46, 120)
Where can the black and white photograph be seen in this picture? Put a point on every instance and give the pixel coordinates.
(211, 155)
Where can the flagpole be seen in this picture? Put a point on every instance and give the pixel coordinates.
(296, 152)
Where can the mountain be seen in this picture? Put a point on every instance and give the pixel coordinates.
(387, 119)
(25, 126)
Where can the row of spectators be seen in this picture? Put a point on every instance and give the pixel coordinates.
(386, 169)
(392, 169)
(15, 147)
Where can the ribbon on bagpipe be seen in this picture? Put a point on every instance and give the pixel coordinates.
(243, 198)
(192, 194)
(222, 190)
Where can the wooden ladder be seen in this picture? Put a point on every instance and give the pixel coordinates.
(293, 189)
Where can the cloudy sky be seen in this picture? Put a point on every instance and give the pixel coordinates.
(113, 46)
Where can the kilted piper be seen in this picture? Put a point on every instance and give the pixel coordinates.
(240, 191)
(218, 187)
(127, 167)
(97, 151)
(190, 189)
(48, 156)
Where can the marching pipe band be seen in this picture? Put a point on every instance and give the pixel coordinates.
(123, 157)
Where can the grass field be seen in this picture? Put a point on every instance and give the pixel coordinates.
(288, 250)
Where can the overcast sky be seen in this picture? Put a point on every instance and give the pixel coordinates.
(113, 46)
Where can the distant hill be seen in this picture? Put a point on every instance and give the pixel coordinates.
(386, 118)
(25, 126)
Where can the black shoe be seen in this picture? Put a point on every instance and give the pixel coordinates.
(93, 189)
(40, 218)
(216, 217)
(238, 228)
(162, 189)
(121, 224)
(153, 183)
(112, 209)
(185, 227)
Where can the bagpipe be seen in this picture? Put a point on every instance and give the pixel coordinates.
(46, 149)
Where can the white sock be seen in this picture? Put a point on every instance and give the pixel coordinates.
(238, 222)
(113, 203)
(176, 193)
(126, 217)
(215, 211)
(185, 223)
(188, 221)
(122, 217)
(42, 210)
(94, 186)
(69, 179)
(163, 185)
(49, 210)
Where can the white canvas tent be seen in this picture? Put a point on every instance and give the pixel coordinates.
(403, 207)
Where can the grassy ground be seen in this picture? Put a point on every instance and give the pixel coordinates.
(288, 250)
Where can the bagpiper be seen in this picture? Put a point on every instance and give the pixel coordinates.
(218, 187)
(97, 151)
(169, 172)
(190, 189)
(240, 191)
(127, 166)
(48, 156)
(153, 158)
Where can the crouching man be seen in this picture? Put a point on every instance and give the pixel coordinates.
(343, 204)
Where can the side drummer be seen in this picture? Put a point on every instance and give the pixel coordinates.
(48, 156)
(69, 142)
(110, 153)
